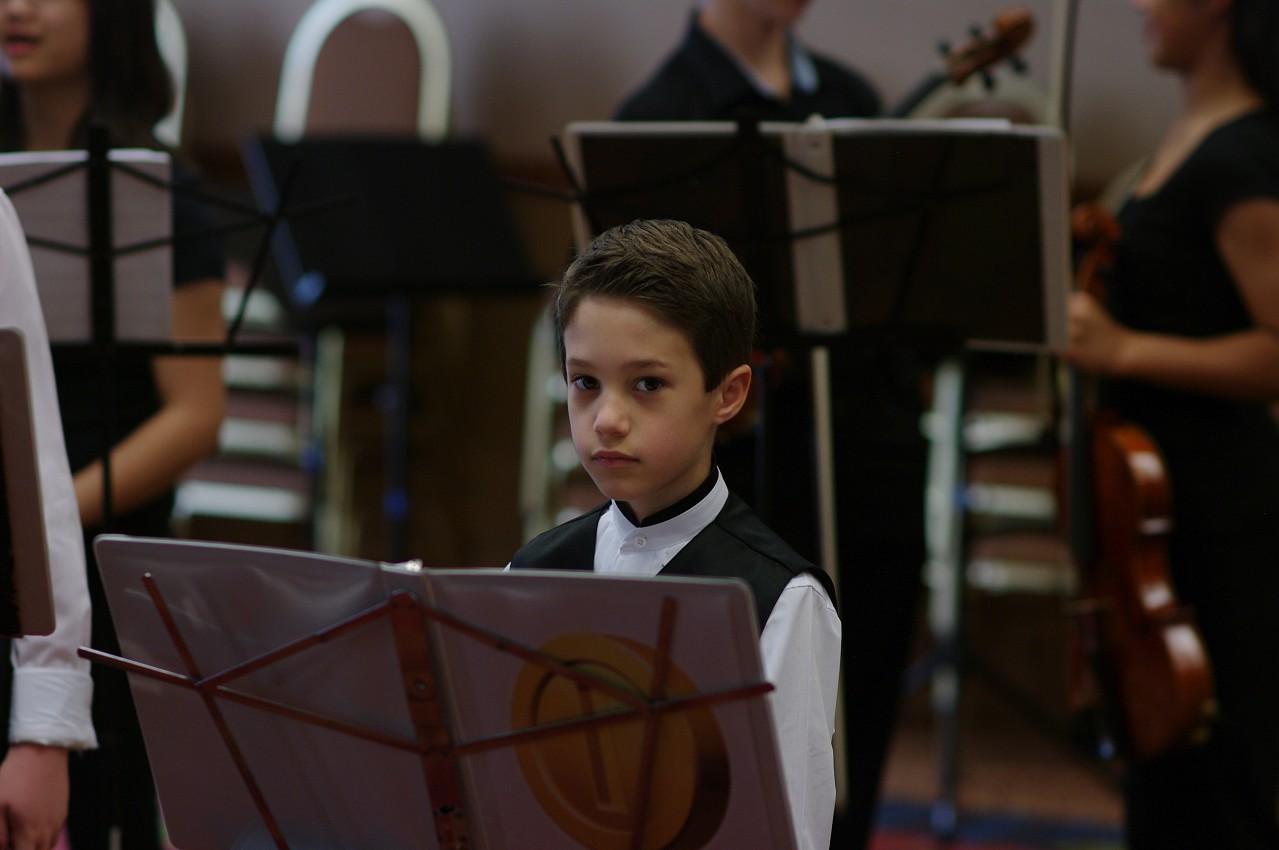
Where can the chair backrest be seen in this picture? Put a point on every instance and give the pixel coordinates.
(318, 23)
(172, 39)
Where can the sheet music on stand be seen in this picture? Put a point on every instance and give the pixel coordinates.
(337, 704)
(952, 227)
(43, 185)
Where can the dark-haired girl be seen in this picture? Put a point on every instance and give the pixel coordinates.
(71, 64)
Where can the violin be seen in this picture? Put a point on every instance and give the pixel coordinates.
(1010, 31)
(1139, 667)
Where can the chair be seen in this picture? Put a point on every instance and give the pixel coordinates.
(992, 525)
(172, 40)
(336, 530)
(313, 30)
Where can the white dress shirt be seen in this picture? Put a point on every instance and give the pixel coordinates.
(799, 646)
(51, 684)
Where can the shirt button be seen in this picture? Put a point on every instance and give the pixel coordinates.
(641, 542)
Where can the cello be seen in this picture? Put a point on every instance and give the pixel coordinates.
(1139, 667)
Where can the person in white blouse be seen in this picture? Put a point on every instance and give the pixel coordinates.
(655, 321)
(51, 688)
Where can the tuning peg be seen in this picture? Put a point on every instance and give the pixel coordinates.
(975, 31)
(943, 47)
(987, 81)
(1017, 64)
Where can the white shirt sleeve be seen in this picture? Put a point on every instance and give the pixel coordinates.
(52, 688)
(800, 648)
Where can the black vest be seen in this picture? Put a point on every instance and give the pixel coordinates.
(736, 544)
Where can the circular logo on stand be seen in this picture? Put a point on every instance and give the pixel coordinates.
(587, 779)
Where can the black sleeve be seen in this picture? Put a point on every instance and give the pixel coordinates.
(194, 259)
(1240, 163)
(671, 94)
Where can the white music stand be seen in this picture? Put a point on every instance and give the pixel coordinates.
(294, 700)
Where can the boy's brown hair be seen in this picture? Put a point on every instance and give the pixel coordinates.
(687, 277)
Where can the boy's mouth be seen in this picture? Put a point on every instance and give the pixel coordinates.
(612, 460)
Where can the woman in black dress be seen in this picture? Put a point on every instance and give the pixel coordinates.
(1187, 346)
(71, 63)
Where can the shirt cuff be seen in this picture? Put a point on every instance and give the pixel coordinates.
(51, 707)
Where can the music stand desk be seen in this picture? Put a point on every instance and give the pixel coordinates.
(407, 217)
(952, 228)
(297, 700)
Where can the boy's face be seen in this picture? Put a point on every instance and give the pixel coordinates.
(643, 423)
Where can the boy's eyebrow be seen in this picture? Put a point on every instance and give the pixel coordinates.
(642, 363)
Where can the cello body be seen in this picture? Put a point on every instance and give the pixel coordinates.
(1140, 647)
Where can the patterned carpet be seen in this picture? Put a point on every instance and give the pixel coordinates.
(905, 826)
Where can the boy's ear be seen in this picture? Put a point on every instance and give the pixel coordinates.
(732, 393)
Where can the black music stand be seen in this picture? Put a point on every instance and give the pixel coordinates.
(338, 704)
(413, 219)
(115, 258)
(852, 226)
(952, 231)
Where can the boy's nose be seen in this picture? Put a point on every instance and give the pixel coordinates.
(611, 416)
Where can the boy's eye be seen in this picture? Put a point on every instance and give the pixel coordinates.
(583, 383)
(648, 385)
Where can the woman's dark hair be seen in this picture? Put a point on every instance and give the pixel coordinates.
(132, 89)
(1256, 45)
(131, 86)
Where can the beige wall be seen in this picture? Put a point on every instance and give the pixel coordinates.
(524, 68)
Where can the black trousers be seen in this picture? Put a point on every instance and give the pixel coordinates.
(112, 786)
(880, 466)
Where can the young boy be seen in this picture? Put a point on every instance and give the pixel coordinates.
(655, 321)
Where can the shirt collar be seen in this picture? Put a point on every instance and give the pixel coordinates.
(676, 509)
(679, 523)
(803, 70)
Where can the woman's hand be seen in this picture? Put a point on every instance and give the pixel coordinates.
(1097, 343)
